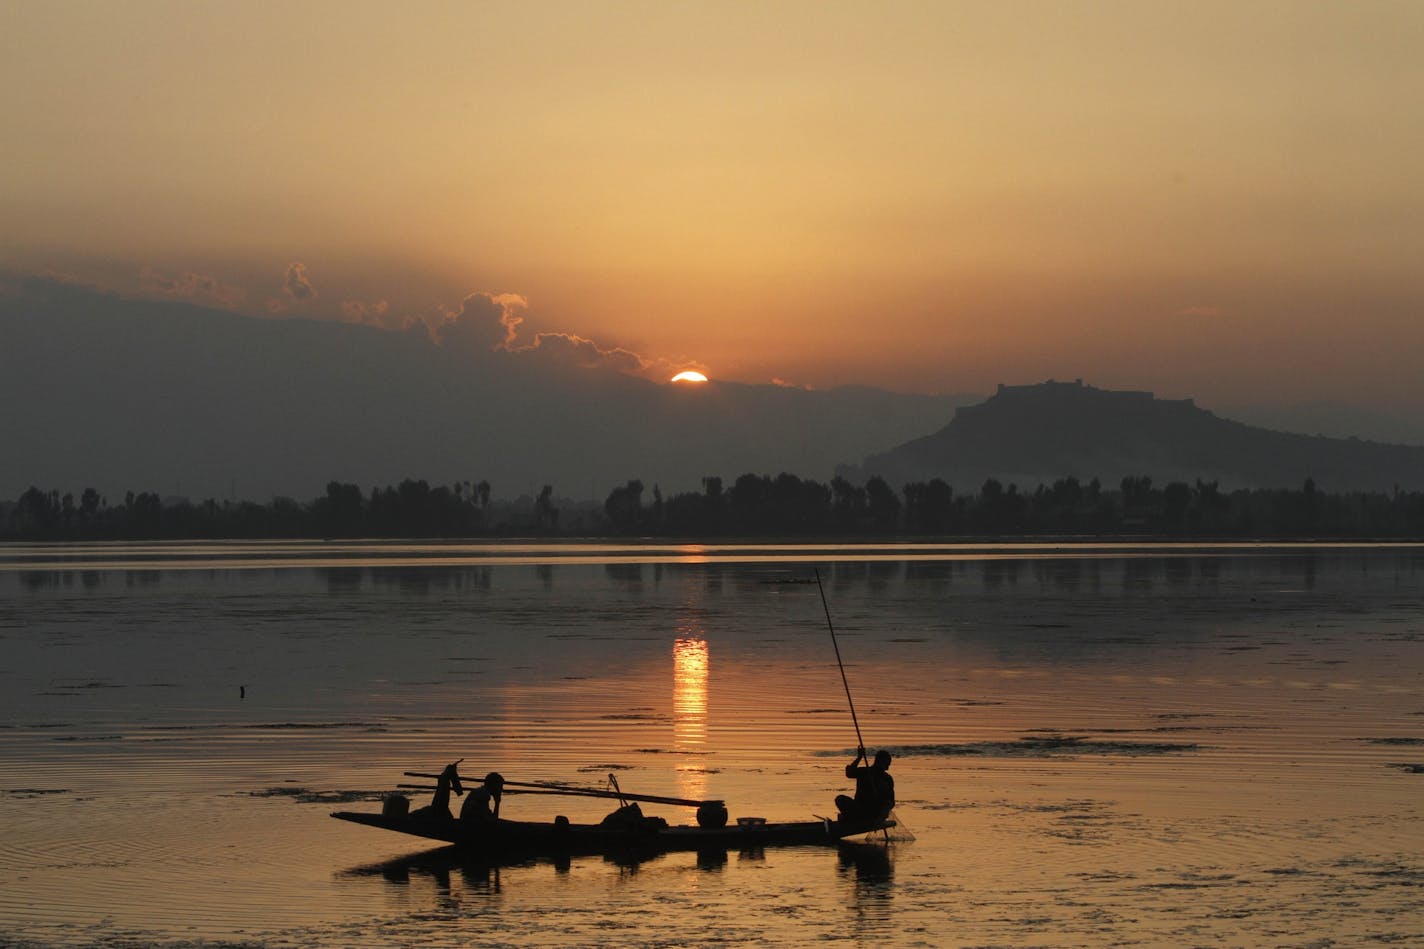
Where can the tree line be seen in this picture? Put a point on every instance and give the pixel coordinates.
(753, 505)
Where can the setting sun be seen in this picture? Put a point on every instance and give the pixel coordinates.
(689, 375)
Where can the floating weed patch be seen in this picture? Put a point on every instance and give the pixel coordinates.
(1408, 768)
(282, 726)
(1034, 746)
(1397, 876)
(308, 796)
(87, 738)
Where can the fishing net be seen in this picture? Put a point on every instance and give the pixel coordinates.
(899, 834)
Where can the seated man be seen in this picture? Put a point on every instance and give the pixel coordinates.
(483, 803)
(874, 790)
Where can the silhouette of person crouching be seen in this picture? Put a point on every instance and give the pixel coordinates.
(482, 804)
(874, 790)
(439, 806)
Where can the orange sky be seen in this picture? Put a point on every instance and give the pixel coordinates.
(1210, 199)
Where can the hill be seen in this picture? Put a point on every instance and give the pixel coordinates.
(1036, 434)
(185, 400)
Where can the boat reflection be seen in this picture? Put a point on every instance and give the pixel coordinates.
(868, 864)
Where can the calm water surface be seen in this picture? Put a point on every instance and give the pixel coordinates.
(1097, 745)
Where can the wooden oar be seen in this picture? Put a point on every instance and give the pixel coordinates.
(527, 787)
(572, 792)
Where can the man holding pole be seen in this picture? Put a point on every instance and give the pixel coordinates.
(874, 790)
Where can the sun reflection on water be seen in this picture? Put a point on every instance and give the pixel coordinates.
(689, 715)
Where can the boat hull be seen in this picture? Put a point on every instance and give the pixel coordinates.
(506, 836)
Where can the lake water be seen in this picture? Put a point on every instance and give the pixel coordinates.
(1095, 745)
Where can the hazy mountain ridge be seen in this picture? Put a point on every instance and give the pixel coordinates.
(1039, 433)
(1331, 419)
(182, 399)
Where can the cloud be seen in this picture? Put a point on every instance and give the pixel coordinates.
(49, 286)
(485, 321)
(490, 322)
(374, 314)
(192, 286)
(568, 349)
(297, 286)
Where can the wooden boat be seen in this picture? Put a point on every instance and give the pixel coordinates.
(650, 836)
(624, 831)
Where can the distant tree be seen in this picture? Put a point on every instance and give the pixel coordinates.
(684, 514)
(1139, 502)
(1176, 498)
(544, 510)
(624, 507)
(341, 513)
(714, 504)
(146, 515)
(1137, 490)
(796, 506)
(1311, 505)
(1059, 508)
(929, 506)
(35, 514)
(882, 504)
(89, 503)
(848, 505)
(748, 502)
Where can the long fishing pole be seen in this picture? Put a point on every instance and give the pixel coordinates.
(549, 787)
(582, 792)
(860, 742)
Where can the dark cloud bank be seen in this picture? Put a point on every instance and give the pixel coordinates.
(185, 399)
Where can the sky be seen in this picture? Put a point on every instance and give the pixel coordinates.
(1210, 199)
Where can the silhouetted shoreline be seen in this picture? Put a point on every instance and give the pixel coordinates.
(755, 507)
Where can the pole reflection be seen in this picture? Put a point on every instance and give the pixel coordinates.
(689, 714)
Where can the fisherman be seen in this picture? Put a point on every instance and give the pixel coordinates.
(439, 807)
(483, 803)
(874, 790)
